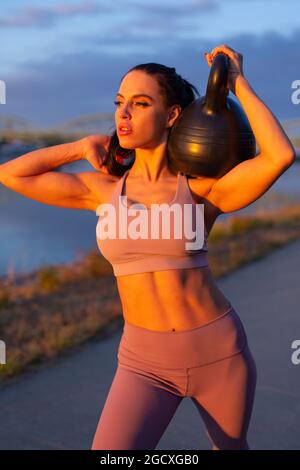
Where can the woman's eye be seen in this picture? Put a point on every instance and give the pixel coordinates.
(137, 102)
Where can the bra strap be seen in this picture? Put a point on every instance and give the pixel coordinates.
(186, 188)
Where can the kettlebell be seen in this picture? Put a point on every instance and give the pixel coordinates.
(212, 134)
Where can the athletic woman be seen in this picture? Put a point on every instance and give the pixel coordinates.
(182, 336)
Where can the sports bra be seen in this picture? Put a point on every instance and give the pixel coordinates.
(134, 241)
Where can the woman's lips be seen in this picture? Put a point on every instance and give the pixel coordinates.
(123, 132)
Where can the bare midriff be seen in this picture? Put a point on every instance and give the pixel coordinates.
(171, 300)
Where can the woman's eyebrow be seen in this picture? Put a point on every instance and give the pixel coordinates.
(137, 96)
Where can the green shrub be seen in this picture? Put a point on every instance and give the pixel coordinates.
(96, 265)
(5, 299)
(48, 278)
(239, 225)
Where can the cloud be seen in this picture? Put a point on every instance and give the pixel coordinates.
(71, 85)
(47, 16)
(144, 12)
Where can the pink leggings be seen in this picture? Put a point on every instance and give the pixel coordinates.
(211, 364)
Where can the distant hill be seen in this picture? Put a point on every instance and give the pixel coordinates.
(94, 123)
(99, 123)
(292, 126)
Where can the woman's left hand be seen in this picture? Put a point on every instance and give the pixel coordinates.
(95, 150)
(235, 66)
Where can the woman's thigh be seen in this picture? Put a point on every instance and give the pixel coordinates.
(223, 393)
(136, 412)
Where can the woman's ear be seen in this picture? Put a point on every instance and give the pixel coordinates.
(174, 113)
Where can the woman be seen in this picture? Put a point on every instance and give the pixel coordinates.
(182, 337)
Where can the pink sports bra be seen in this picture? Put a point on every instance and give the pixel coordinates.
(137, 239)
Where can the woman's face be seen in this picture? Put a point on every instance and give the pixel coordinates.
(146, 116)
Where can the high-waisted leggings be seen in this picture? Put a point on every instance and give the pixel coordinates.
(211, 364)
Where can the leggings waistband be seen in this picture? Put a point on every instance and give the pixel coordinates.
(219, 338)
(142, 330)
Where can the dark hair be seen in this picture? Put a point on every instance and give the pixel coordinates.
(173, 88)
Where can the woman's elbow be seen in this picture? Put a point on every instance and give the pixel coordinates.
(291, 157)
(286, 159)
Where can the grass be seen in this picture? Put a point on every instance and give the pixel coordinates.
(59, 307)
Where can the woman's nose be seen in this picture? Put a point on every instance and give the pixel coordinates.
(124, 113)
(124, 110)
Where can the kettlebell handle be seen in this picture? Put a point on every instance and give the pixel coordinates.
(216, 90)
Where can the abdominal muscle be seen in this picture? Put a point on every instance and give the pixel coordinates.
(171, 300)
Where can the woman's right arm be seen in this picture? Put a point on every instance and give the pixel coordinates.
(31, 175)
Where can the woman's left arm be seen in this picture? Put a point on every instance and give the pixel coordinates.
(269, 134)
(251, 178)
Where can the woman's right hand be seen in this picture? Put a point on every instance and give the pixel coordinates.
(95, 150)
(235, 63)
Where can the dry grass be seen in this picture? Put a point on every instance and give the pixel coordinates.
(243, 239)
(59, 307)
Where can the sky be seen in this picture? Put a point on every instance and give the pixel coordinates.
(64, 59)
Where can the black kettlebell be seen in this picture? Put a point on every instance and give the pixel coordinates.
(212, 134)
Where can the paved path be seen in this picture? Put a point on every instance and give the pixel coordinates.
(58, 406)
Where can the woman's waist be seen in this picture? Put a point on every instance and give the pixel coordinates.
(171, 300)
(220, 338)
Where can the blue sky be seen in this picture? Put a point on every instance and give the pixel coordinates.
(64, 59)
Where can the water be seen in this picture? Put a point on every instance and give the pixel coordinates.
(32, 233)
